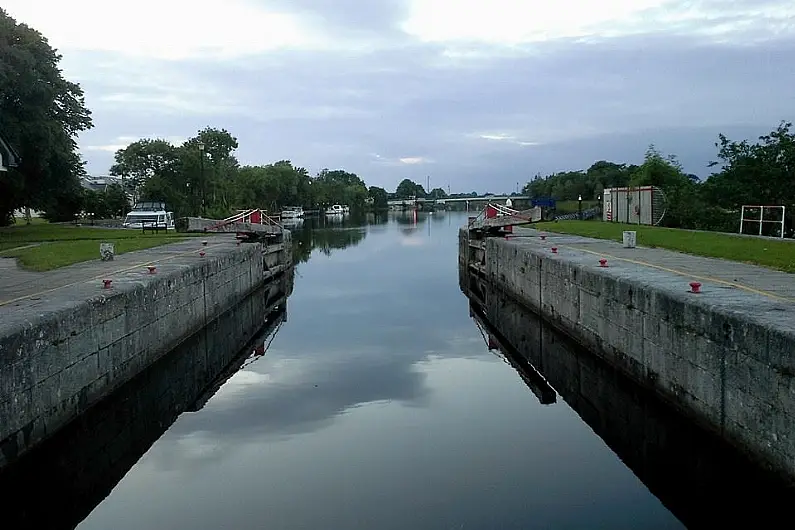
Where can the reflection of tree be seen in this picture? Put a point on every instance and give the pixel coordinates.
(327, 240)
(319, 234)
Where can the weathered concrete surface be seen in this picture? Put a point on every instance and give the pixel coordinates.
(66, 346)
(726, 357)
(703, 480)
(84, 461)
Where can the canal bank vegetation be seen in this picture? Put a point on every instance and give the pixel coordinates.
(43, 246)
(770, 253)
(746, 173)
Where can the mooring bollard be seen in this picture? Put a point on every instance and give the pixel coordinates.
(201, 253)
(695, 287)
(204, 243)
(603, 262)
(543, 237)
(152, 269)
(106, 284)
(554, 250)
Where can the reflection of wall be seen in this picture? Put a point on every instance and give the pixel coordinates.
(699, 477)
(727, 367)
(75, 351)
(59, 483)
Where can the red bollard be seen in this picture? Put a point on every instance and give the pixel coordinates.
(152, 269)
(554, 250)
(603, 262)
(201, 253)
(106, 284)
(695, 287)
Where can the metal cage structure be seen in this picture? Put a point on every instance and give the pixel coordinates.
(761, 215)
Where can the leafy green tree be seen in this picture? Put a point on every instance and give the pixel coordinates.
(408, 188)
(144, 159)
(116, 200)
(41, 114)
(437, 193)
(379, 197)
(684, 206)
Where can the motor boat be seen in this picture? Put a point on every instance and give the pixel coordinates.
(149, 215)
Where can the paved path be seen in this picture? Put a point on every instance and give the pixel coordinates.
(774, 285)
(18, 286)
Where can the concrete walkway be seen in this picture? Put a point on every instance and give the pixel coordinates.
(773, 285)
(20, 288)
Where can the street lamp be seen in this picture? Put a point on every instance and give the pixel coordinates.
(200, 145)
(579, 206)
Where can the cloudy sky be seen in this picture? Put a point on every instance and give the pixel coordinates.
(477, 94)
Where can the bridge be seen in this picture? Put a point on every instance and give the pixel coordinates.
(420, 202)
(247, 224)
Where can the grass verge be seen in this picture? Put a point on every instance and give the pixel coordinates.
(53, 255)
(44, 246)
(779, 255)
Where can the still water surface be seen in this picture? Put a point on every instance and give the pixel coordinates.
(378, 405)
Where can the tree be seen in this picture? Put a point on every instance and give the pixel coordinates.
(437, 193)
(684, 206)
(116, 200)
(408, 188)
(40, 115)
(379, 197)
(144, 159)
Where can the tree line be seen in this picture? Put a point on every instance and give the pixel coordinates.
(758, 173)
(41, 114)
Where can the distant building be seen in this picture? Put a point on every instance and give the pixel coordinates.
(8, 156)
(99, 183)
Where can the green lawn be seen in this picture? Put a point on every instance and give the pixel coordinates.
(769, 253)
(44, 246)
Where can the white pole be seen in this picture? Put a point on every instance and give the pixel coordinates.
(761, 218)
(783, 216)
(742, 216)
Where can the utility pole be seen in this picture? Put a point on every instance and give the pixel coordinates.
(201, 175)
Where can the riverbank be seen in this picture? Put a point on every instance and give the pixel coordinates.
(724, 356)
(67, 340)
(770, 252)
(46, 246)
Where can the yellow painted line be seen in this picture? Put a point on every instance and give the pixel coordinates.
(104, 275)
(686, 274)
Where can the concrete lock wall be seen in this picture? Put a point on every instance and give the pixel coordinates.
(56, 366)
(729, 371)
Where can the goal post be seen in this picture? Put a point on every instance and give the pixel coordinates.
(760, 216)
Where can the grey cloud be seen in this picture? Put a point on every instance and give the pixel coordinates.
(612, 96)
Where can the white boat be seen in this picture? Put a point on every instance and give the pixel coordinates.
(149, 215)
(337, 209)
(293, 212)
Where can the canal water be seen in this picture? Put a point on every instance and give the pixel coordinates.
(373, 402)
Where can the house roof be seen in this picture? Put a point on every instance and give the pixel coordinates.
(8, 156)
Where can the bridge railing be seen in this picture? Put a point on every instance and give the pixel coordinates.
(253, 216)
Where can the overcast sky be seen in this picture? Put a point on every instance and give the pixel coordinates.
(477, 94)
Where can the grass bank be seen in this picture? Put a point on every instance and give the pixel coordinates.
(44, 246)
(779, 255)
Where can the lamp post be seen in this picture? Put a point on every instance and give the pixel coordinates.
(200, 145)
(579, 206)
(189, 198)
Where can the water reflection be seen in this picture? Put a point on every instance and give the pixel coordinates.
(702, 480)
(327, 233)
(60, 482)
